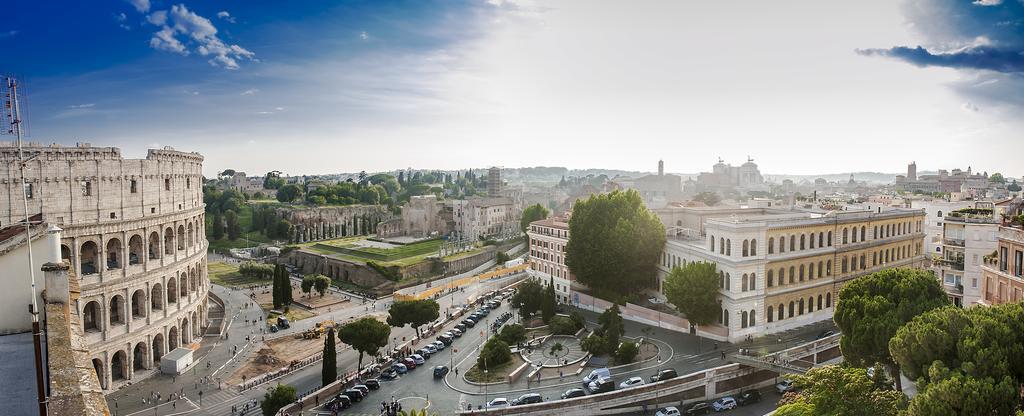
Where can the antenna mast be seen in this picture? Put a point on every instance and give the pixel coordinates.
(12, 113)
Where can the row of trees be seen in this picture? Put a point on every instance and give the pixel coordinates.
(266, 220)
(532, 297)
(965, 361)
(317, 281)
(413, 312)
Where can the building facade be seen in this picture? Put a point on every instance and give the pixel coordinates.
(548, 238)
(1003, 274)
(779, 270)
(133, 234)
(968, 235)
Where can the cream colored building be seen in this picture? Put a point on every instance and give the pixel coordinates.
(780, 269)
(548, 238)
(133, 233)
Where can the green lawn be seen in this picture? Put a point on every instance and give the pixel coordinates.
(227, 275)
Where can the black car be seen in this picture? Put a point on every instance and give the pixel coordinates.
(666, 374)
(372, 383)
(440, 371)
(461, 326)
(603, 385)
(698, 408)
(528, 398)
(339, 402)
(447, 340)
(353, 394)
(469, 322)
(748, 397)
(577, 392)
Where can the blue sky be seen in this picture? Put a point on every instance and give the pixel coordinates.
(317, 86)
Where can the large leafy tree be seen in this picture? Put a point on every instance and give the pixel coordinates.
(276, 398)
(693, 289)
(307, 285)
(612, 327)
(321, 283)
(836, 390)
(616, 243)
(289, 193)
(966, 361)
(494, 353)
(329, 372)
(532, 213)
(872, 308)
(413, 312)
(366, 335)
(527, 299)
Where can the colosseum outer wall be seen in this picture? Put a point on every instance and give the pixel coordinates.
(134, 233)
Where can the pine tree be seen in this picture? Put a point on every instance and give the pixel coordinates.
(329, 373)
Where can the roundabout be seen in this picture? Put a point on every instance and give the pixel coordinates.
(554, 351)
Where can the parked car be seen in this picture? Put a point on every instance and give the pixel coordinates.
(409, 362)
(447, 340)
(528, 398)
(601, 385)
(469, 323)
(400, 368)
(698, 408)
(339, 402)
(423, 352)
(631, 382)
(418, 359)
(431, 348)
(748, 397)
(457, 332)
(363, 388)
(355, 395)
(439, 345)
(273, 328)
(372, 383)
(665, 374)
(596, 374)
(449, 334)
(668, 411)
(576, 392)
(389, 374)
(461, 326)
(724, 403)
(497, 403)
(784, 386)
(440, 371)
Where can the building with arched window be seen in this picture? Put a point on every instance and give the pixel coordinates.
(125, 237)
(769, 259)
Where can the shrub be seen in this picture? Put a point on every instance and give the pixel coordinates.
(258, 270)
(560, 325)
(384, 271)
(593, 344)
(495, 353)
(513, 334)
(626, 353)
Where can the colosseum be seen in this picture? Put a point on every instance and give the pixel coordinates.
(134, 234)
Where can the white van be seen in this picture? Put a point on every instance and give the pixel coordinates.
(595, 375)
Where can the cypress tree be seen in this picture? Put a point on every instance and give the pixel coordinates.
(276, 290)
(329, 372)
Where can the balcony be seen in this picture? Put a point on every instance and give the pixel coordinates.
(955, 264)
(956, 242)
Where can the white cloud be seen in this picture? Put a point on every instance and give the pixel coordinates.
(141, 5)
(223, 14)
(158, 17)
(987, 2)
(181, 21)
(121, 17)
(279, 108)
(251, 91)
(970, 107)
(164, 40)
(87, 105)
(364, 36)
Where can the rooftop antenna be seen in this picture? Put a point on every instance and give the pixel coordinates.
(13, 126)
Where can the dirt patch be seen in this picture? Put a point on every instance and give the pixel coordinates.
(316, 303)
(277, 353)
